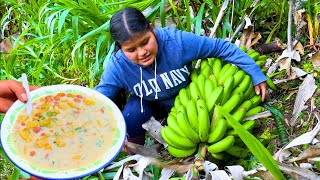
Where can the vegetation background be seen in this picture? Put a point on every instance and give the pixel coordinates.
(68, 42)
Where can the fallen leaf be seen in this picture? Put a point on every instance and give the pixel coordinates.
(219, 174)
(311, 152)
(299, 47)
(153, 127)
(306, 90)
(297, 170)
(315, 59)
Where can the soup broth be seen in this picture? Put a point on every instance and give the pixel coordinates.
(65, 131)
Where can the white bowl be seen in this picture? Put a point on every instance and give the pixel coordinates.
(110, 110)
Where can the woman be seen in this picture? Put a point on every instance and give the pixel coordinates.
(153, 64)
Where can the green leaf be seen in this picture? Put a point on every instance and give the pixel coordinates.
(254, 145)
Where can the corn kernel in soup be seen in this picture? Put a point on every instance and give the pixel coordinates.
(65, 131)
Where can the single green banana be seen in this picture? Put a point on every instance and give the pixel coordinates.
(219, 156)
(214, 80)
(256, 100)
(222, 145)
(263, 58)
(250, 51)
(248, 91)
(254, 111)
(173, 124)
(194, 91)
(261, 63)
(227, 89)
(238, 77)
(210, 61)
(208, 88)
(177, 102)
(184, 124)
(216, 67)
(271, 84)
(237, 151)
(229, 72)
(194, 75)
(245, 105)
(243, 48)
(173, 139)
(200, 82)
(203, 63)
(254, 55)
(183, 96)
(238, 116)
(223, 70)
(219, 129)
(206, 71)
(192, 114)
(203, 120)
(249, 125)
(173, 109)
(233, 102)
(242, 87)
(181, 153)
(214, 98)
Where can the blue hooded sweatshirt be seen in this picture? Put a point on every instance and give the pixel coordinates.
(170, 72)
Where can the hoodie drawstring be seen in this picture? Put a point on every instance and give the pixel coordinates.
(141, 94)
(155, 77)
(156, 84)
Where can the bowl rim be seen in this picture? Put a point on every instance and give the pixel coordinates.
(66, 174)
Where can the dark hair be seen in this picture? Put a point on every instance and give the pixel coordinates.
(126, 23)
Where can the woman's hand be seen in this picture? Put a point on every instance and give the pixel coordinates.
(261, 89)
(10, 91)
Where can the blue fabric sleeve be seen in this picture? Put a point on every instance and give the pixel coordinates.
(200, 47)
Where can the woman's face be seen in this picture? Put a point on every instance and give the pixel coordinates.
(141, 49)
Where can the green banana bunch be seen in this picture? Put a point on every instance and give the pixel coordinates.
(180, 153)
(192, 115)
(174, 140)
(221, 145)
(218, 130)
(203, 120)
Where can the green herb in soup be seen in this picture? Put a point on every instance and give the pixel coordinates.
(65, 131)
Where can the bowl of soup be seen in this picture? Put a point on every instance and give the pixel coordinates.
(72, 132)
